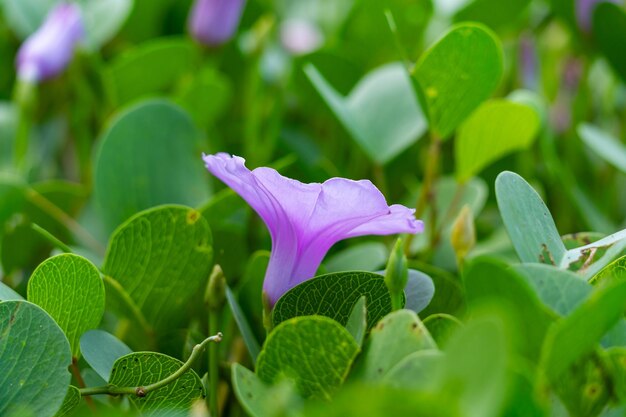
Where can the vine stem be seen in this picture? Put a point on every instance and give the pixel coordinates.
(142, 391)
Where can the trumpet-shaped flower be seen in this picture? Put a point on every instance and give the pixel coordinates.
(48, 51)
(214, 22)
(305, 220)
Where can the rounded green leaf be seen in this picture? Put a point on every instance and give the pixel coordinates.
(169, 170)
(34, 356)
(100, 350)
(145, 368)
(71, 401)
(315, 351)
(495, 129)
(334, 295)
(70, 289)
(161, 258)
(458, 73)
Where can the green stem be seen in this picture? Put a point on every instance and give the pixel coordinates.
(427, 192)
(214, 319)
(51, 238)
(142, 391)
(25, 97)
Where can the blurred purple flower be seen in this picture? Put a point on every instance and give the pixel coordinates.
(214, 22)
(584, 12)
(300, 36)
(305, 220)
(529, 64)
(48, 51)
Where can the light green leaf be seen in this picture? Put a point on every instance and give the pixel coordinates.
(528, 221)
(606, 147)
(334, 295)
(575, 336)
(396, 336)
(441, 326)
(560, 290)
(70, 289)
(315, 351)
(206, 96)
(71, 401)
(420, 371)
(34, 356)
(8, 126)
(381, 113)
(493, 13)
(368, 256)
(128, 72)
(162, 258)
(7, 293)
(609, 32)
(170, 169)
(357, 322)
(495, 129)
(458, 73)
(145, 368)
(419, 291)
(259, 399)
(101, 349)
(615, 270)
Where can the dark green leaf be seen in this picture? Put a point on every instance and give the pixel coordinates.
(609, 30)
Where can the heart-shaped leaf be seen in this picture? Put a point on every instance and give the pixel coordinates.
(458, 73)
(161, 258)
(124, 184)
(381, 113)
(70, 289)
(34, 356)
(314, 351)
(334, 295)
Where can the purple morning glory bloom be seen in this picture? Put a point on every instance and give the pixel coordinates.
(48, 51)
(305, 220)
(584, 12)
(213, 22)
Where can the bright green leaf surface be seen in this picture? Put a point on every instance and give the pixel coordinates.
(458, 73)
(575, 336)
(493, 13)
(145, 368)
(70, 289)
(334, 295)
(125, 184)
(495, 129)
(315, 351)
(71, 401)
(33, 364)
(396, 336)
(381, 113)
(101, 349)
(605, 146)
(615, 270)
(162, 258)
(528, 221)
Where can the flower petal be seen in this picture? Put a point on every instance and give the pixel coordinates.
(400, 219)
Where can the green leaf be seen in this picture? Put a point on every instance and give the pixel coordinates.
(609, 31)
(490, 281)
(71, 401)
(357, 322)
(368, 256)
(381, 113)
(396, 336)
(145, 368)
(34, 356)
(420, 371)
(162, 259)
(11, 197)
(458, 73)
(528, 221)
(257, 398)
(315, 351)
(617, 368)
(334, 295)
(7, 293)
(562, 291)
(169, 171)
(206, 96)
(615, 270)
(102, 18)
(100, 350)
(419, 291)
(8, 127)
(494, 13)
(441, 326)
(495, 129)
(70, 289)
(606, 147)
(576, 335)
(173, 57)
(244, 328)
(449, 295)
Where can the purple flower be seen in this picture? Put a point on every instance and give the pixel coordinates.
(213, 22)
(584, 12)
(49, 50)
(305, 220)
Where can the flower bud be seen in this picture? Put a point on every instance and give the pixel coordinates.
(397, 274)
(463, 237)
(48, 51)
(214, 22)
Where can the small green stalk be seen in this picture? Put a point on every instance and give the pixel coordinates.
(397, 275)
(215, 298)
(25, 96)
